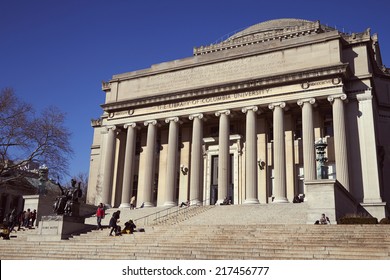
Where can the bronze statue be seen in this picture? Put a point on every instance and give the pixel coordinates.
(65, 203)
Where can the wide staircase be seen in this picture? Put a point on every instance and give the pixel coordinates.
(220, 232)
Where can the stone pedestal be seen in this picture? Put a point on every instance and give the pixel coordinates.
(58, 227)
(377, 210)
(42, 203)
(331, 198)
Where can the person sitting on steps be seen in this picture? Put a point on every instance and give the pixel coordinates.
(129, 227)
(324, 220)
(226, 201)
(187, 203)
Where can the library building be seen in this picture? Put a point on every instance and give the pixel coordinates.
(284, 110)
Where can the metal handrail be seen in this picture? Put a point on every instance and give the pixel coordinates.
(156, 213)
(164, 213)
(184, 210)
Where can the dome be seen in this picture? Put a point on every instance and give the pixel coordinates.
(277, 29)
(270, 25)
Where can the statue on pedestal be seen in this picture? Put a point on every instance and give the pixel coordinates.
(322, 169)
(68, 202)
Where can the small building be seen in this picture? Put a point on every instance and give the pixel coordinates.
(30, 181)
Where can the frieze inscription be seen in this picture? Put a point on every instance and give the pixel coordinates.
(214, 99)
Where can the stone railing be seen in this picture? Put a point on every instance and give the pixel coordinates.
(261, 36)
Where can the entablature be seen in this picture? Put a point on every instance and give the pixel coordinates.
(305, 77)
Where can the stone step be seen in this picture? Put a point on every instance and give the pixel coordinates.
(160, 255)
(227, 232)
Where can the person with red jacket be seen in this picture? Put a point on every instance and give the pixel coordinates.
(100, 213)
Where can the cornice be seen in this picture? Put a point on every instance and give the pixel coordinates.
(357, 38)
(338, 70)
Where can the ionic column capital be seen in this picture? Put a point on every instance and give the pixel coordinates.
(127, 125)
(223, 112)
(172, 119)
(193, 116)
(367, 95)
(311, 101)
(250, 108)
(342, 96)
(277, 104)
(152, 122)
(110, 127)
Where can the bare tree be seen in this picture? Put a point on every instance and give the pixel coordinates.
(26, 137)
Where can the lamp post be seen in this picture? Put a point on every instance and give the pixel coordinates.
(43, 178)
(322, 169)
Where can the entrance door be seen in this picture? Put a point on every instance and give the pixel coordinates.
(214, 180)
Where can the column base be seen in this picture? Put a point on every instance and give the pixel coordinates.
(124, 205)
(195, 202)
(148, 204)
(251, 201)
(280, 200)
(377, 210)
(169, 203)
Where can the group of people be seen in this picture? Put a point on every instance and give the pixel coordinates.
(25, 219)
(129, 226)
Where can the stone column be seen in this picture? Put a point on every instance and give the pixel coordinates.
(309, 157)
(340, 138)
(196, 158)
(171, 175)
(368, 149)
(108, 165)
(149, 163)
(250, 156)
(127, 187)
(279, 153)
(223, 154)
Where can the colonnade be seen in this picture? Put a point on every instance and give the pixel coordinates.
(196, 181)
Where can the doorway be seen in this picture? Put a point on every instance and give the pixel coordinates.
(214, 180)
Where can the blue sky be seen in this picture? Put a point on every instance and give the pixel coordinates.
(58, 52)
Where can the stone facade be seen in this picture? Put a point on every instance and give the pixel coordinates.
(240, 118)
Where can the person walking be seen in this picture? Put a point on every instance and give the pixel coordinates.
(100, 213)
(132, 202)
(33, 217)
(27, 217)
(12, 219)
(114, 223)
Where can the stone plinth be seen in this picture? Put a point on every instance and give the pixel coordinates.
(377, 210)
(42, 203)
(58, 227)
(330, 197)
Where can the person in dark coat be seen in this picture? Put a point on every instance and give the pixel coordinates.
(129, 226)
(114, 223)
